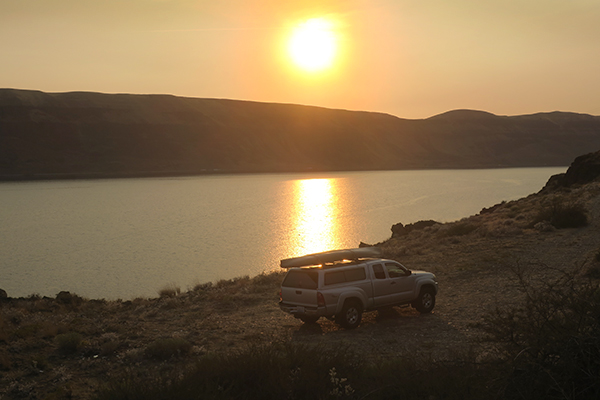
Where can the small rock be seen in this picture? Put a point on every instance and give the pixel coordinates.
(3, 294)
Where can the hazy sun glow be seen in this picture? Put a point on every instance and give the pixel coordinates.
(313, 45)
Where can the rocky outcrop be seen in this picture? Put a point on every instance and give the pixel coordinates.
(46, 135)
(583, 169)
(402, 230)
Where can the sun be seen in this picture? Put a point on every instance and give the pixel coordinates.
(313, 45)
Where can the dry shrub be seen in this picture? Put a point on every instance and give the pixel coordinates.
(594, 270)
(458, 229)
(164, 349)
(268, 279)
(552, 340)
(200, 287)
(233, 285)
(170, 290)
(171, 304)
(68, 343)
(294, 371)
(395, 252)
(27, 331)
(500, 228)
(561, 214)
(274, 371)
(4, 335)
(50, 329)
(105, 345)
(5, 362)
(109, 348)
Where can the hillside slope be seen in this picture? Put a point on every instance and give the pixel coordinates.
(45, 134)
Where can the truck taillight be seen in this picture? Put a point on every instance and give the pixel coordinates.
(280, 298)
(320, 299)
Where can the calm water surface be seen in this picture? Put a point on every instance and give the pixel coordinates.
(124, 238)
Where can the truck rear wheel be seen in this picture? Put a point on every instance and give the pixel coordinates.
(426, 301)
(350, 315)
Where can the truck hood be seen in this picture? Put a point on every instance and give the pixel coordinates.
(423, 273)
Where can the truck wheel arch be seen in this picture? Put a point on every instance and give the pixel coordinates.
(350, 297)
(425, 301)
(350, 314)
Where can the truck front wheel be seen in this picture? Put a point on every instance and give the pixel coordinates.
(426, 301)
(350, 315)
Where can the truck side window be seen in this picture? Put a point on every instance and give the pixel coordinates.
(355, 274)
(378, 271)
(349, 275)
(333, 277)
(395, 270)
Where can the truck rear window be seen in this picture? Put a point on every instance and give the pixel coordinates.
(349, 275)
(305, 279)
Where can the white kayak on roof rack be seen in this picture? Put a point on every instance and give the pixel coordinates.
(331, 256)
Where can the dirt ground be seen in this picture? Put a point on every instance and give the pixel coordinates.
(473, 259)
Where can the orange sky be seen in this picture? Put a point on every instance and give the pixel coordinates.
(409, 58)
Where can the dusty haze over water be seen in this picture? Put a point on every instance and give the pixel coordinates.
(131, 237)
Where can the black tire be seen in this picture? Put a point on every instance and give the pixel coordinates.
(426, 301)
(309, 319)
(350, 316)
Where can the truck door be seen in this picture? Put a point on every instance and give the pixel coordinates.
(401, 282)
(382, 287)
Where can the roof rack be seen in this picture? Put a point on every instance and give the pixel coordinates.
(331, 256)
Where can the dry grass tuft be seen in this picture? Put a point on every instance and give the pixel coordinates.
(68, 343)
(170, 290)
(164, 349)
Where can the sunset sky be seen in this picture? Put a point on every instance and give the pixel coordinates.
(409, 58)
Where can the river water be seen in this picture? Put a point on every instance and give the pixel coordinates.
(127, 238)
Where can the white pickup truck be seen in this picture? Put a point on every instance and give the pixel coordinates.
(341, 284)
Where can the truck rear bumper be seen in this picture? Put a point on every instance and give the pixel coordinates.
(299, 310)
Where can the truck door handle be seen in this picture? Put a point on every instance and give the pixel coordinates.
(393, 283)
(298, 291)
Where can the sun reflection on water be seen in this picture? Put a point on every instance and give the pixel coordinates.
(315, 211)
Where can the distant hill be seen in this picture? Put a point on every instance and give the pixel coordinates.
(45, 135)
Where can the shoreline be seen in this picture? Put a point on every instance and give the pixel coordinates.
(50, 176)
